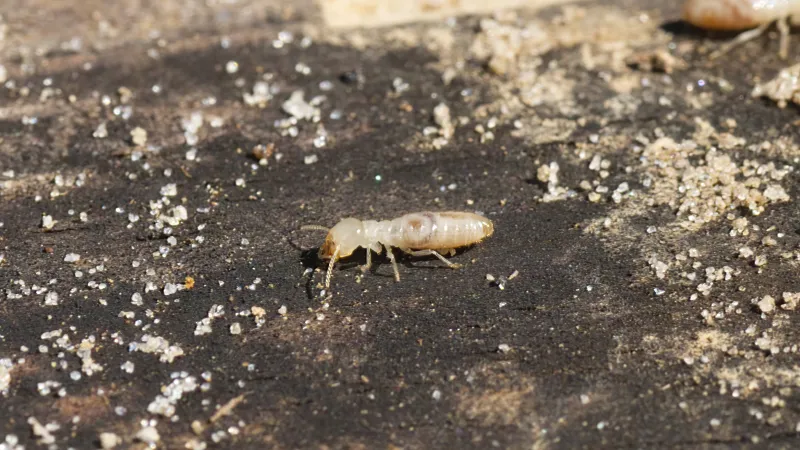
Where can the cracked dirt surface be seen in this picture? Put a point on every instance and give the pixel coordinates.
(158, 160)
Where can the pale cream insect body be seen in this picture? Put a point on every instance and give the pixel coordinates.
(735, 15)
(418, 234)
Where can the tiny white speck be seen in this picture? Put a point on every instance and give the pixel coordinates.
(48, 222)
(170, 288)
(72, 257)
(170, 190)
(51, 298)
(136, 299)
(127, 367)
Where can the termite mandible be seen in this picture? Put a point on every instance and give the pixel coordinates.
(417, 234)
(736, 15)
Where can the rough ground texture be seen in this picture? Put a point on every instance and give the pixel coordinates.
(156, 292)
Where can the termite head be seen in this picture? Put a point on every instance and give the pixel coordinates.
(348, 235)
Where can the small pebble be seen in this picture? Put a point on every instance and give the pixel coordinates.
(72, 257)
(109, 440)
(767, 304)
(139, 136)
(148, 435)
(47, 222)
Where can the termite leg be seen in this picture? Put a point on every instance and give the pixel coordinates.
(367, 266)
(739, 40)
(394, 263)
(330, 267)
(434, 253)
(784, 29)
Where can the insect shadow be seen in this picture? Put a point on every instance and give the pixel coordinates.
(683, 28)
(309, 258)
(730, 39)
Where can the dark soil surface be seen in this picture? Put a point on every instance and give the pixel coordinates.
(587, 347)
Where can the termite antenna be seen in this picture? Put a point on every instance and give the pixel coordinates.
(314, 228)
(330, 268)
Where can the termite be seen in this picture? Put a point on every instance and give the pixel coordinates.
(738, 15)
(417, 234)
